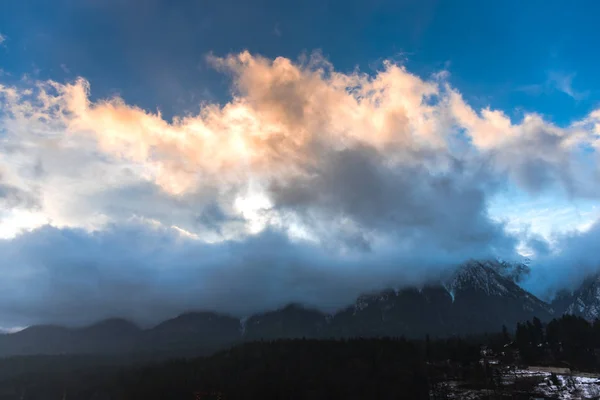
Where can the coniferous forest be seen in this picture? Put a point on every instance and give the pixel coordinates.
(359, 368)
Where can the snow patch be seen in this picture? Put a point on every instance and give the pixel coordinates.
(243, 321)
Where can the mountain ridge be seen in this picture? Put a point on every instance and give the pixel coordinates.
(477, 297)
(583, 302)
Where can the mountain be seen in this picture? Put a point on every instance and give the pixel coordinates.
(477, 297)
(584, 302)
(110, 336)
(292, 321)
(196, 331)
(410, 312)
(41, 339)
(515, 271)
(484, 299)
(193, 333)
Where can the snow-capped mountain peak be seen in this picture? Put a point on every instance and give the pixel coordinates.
(476, 275)
(485, 278)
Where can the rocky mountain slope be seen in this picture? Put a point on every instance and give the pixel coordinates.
(583, 302)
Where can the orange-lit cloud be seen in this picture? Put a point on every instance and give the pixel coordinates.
(281, 120)
(284, 124)
(284, 117)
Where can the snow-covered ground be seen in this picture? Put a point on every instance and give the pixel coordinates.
(451, 390)
(569, 386)
(564, 387)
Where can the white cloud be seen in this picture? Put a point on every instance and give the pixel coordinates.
(564, 83)
(556, 81)
(544, 216)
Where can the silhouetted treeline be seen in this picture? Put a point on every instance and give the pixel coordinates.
(292, 369)
(569, 340)
(384, 368)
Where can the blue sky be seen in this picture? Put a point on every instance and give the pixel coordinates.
(511, 55)
(408, 136)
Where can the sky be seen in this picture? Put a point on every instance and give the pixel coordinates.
(162, 156)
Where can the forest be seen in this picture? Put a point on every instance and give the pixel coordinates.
(358, 368)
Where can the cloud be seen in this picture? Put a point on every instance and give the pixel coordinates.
(564, 83)
(409, 204)
(537, 155)
(13, 197)
(307, 185)
(556, 81)
(565, 267)
(148, 273)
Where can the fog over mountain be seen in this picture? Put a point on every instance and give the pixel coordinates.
(477, 298)
(308, 185)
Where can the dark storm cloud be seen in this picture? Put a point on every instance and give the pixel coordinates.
(410, 203)
(147, 274)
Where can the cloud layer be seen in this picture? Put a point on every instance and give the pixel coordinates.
(307, 185)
